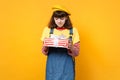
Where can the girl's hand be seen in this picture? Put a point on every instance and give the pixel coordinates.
(45, 50)
(74, 49)
(70, 44)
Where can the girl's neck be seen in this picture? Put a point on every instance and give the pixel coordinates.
(60, 28)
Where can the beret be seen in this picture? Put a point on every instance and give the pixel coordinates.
(60, 8)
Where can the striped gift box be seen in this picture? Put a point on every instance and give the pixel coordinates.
(53, 42)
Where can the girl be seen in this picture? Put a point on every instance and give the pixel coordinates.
(60, 61)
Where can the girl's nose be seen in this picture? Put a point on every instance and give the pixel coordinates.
(59, 20)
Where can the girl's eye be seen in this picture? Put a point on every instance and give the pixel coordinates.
(56, 18)
(62, 18)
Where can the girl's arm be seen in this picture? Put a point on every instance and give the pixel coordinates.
(73, 49)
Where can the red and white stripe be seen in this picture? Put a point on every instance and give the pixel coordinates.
(61, 42)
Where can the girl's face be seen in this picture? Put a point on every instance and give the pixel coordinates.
(60, 21)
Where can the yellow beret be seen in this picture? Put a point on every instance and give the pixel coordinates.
(60, 8)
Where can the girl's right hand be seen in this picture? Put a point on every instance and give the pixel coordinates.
(45, 50)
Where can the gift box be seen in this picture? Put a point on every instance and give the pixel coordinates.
(54, 42)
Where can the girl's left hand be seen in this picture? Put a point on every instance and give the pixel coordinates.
(70, 44)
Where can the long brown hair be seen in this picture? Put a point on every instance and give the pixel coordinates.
(60, 14)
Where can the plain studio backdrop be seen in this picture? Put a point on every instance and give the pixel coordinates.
(21, 25)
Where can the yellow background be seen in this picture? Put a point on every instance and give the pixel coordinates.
(21, 25)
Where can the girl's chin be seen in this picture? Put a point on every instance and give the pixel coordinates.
(60, 26)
